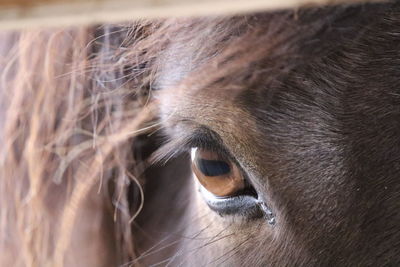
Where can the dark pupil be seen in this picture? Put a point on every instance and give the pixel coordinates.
(213, 167)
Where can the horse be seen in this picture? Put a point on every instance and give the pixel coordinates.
(266, 139)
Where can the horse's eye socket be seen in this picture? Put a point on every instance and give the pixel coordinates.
(217, 174)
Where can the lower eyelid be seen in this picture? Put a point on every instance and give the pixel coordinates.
(242, 204)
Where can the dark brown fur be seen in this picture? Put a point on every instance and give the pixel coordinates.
(308, 103)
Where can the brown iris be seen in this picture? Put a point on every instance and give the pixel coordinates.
(216, 174)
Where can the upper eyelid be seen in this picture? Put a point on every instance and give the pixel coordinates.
(201, 137)
(205, 138)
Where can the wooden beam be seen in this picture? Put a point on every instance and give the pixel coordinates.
(18, 14)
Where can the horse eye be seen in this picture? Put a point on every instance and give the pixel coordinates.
(217, 174)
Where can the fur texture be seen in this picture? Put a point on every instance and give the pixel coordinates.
(307, 102)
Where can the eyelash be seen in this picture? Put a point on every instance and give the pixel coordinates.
(203, 138)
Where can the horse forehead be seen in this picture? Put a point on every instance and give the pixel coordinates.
(203, 106)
